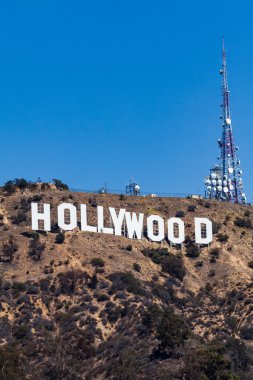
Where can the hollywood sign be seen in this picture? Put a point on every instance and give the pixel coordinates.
(157, 228)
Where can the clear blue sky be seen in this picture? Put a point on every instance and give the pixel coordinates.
(95, 91)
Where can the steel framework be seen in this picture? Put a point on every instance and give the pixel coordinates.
(225, 178)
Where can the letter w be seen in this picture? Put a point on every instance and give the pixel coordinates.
(134, 225)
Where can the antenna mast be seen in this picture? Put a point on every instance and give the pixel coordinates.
(225, 179)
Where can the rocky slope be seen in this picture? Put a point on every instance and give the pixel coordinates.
(83, 305)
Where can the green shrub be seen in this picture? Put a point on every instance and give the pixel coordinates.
(156, 254)
(222, 238)
(126, 281)
(208, 362)
(137, 267)
(36, 248)
(172, 330)
(243, 222)
(8, 250)
(19, 218)
(102, 297)
(246, 332)
(173, 264)
(97, 262)
(192, 208)
(215, 252)
(21, 332)
(180, 214)
(192, 251)
(216, 227)
(11, 363)
(59, 184)
(239, 354)
(60, 237)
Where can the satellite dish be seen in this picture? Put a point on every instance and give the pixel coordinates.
(231, 187)
(214, 182)
(219, 188)
(225, 183)
(213, 175)
(243, 195)
(137, 188)
(230, 170)
(228, 121)
(225, 189)
(207, 182)
(209, 188)
(240, 172)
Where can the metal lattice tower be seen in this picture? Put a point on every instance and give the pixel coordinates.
(225, 179)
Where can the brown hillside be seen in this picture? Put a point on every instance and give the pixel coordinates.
(98, 306)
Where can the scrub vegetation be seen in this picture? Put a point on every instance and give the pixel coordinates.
(80, 305)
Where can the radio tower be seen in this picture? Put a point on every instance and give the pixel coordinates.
(225, 179)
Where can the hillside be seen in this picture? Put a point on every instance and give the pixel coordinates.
(83, 305)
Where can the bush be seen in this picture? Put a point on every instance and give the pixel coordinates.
(36, 248)
(172, 330)
(173, 264)
(126, 281)
(246, 332)
(216, 227)
(243, 222)
(21, 332)
(19, 218)
(222, 238)
(208, 362)
(215, 252)
(97, 262)
(8, 250)
(192, 251)
(60, 237)
(59, 184)
(180, 214)
(129, 248)
(247, 213)
(11, 363)
(239, 354)
(102, 297)
(93, 282)
(137, 267)
(37, 198)
(156, 254)
(69, 280)
(192, 208)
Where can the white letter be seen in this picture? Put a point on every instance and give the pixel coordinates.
(207, 235)
(171, 235)
(72, 216)
(101, 228)
(84, 225)
(117, 220)
(150, 227)
(45, 216)
(134, 226)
